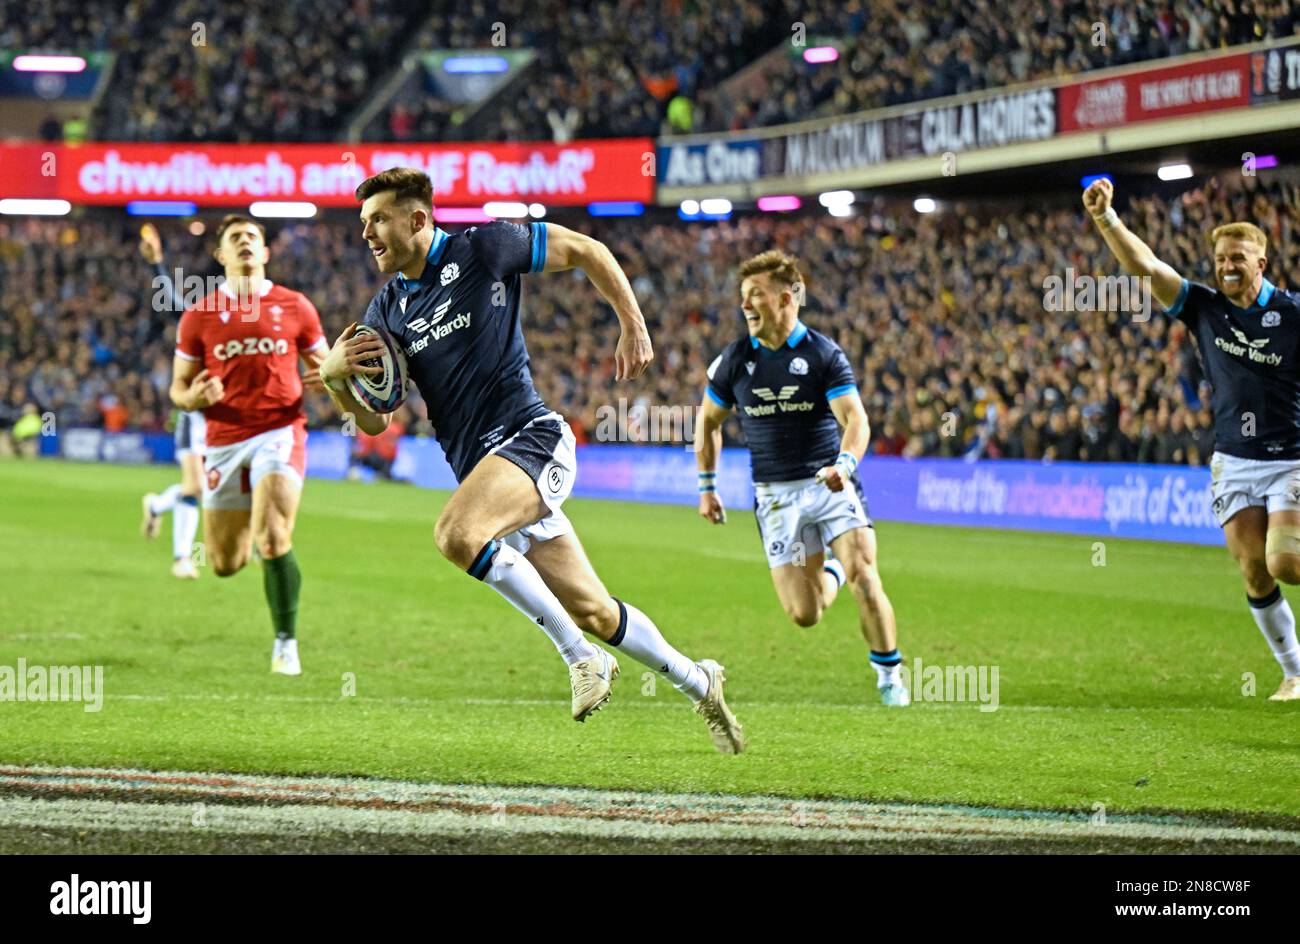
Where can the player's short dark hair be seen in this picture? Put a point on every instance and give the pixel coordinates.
(407, 184)
(782, 268)
(231, 219)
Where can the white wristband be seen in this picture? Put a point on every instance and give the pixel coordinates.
(1109, 219)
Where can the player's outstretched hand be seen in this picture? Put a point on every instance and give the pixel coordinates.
(205, 390)
(831, 478)
(711, 509)
(633, 355)
(1096, 199)
(349, 354)
(150, 244)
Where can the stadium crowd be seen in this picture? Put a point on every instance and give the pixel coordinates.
(909, 52)
(262, 70)
(943, 317)
(259, 70)
(669, 67)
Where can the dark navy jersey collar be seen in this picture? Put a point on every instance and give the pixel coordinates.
(797, 334)
(436, 248)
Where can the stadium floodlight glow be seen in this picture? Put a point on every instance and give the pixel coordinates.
(1265, 161)
(816, 55)
(1175, 172)
(161, 208)
(695, 210)
(49, 64)
(1090, 179)
(536, 211)
(840, 209)
(779, 204)
(17, 206)
(923, 205)
(835, 198)
(282, 209)
(616, 208)
(460, 215)
(474, 65)
(505, 208)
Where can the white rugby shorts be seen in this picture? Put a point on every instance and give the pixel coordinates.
(801, 518)
(1237, 483)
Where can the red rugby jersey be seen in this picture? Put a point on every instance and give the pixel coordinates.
(253, 345)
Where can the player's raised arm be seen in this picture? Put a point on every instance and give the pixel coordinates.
(1136, 257)
(852, 416)
(569, 249)
(708, 447)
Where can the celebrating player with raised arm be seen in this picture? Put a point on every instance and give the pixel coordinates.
(454, 309)
(794, 390)
(181, 500)
(1247, 331)
(237, 355)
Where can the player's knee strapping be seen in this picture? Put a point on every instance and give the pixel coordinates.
(1283, 539)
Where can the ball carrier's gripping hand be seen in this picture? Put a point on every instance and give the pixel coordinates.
(348, 356)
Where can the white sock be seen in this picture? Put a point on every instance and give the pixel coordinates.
(166, 501)
(640, 638)
(1276, 621)
(887, 666)
(512, 576)
(185, 522)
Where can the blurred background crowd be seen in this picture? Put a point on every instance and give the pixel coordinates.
(267, 70)
(943, 317)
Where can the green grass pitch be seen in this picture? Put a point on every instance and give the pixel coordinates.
(1120, 684)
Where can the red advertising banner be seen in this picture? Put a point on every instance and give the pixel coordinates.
(222, 175)
(1207, 85)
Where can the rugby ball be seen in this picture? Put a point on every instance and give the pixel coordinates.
(381, 393)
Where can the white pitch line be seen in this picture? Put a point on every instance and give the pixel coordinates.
(179, 801)
(644, 702)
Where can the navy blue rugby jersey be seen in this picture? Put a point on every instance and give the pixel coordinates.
(459, 327)
(783, 399)
(1252, 360)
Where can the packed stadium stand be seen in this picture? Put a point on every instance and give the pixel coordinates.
(199, 70)
(939, 314)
